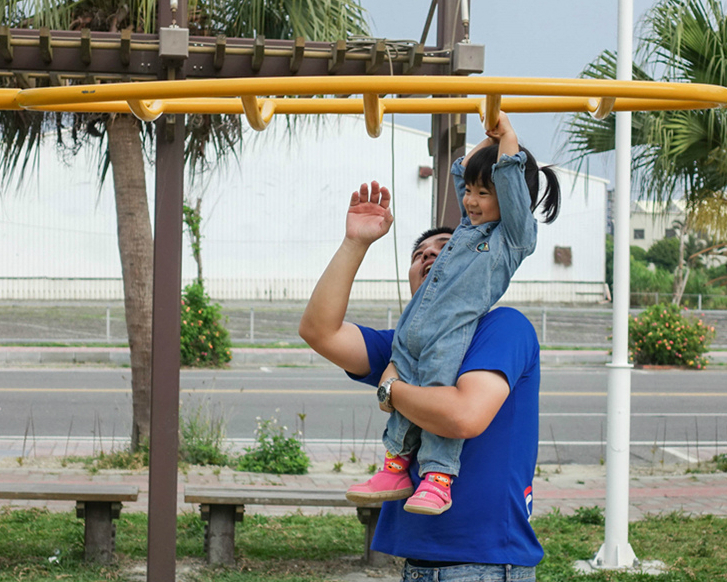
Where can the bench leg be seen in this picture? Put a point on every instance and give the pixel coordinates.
(100, 531)
(220, 534)
(369, 516)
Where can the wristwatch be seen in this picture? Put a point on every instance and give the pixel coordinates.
(384, 392)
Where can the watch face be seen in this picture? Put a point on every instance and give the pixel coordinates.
(381, 393)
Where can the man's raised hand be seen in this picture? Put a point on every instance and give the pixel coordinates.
(369, 214)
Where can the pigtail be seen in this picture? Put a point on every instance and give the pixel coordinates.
(550, 201)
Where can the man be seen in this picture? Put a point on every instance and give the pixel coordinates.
(494, 405)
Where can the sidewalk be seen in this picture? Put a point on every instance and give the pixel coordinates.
(245, 357)
(653, 490)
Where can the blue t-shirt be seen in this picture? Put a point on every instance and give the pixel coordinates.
(488, 522)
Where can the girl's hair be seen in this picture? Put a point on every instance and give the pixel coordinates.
(479, 169)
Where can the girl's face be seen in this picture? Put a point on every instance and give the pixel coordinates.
(481, 203)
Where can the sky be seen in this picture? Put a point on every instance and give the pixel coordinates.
(522, 38)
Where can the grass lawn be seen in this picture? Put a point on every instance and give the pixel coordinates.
(39, 546)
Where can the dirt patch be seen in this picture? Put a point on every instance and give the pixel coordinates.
(345, 569)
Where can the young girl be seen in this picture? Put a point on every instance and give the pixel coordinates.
(497, 186)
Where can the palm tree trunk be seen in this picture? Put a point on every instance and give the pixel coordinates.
(137, 261)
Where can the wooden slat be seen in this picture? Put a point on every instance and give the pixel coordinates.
(68, 492)
(267, 496)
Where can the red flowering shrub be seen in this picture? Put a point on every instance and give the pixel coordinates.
(664, 335)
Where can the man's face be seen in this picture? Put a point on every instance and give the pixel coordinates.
(423, 257)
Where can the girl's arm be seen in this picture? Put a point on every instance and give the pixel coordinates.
(504, 134)
(512, 192)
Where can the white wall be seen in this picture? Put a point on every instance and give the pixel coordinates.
(273, 219)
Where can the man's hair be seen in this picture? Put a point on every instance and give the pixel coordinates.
(431, 232)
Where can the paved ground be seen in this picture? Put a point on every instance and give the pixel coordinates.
(270, 322)
(653, 490)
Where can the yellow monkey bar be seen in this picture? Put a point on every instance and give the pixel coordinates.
(148, 100)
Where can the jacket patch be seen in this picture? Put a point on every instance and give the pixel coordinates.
(483, 247)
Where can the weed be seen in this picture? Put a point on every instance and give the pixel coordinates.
(372, 468)
(337, 467)
(721, 462)
(201, 436)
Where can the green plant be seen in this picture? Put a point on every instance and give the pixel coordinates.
(589, 516)
(274, 452)
(721, 462)
(663, 335)
(204, 342)
(337, 466)
(664, 253)
(201, 436)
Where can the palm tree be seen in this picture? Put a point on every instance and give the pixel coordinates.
(123, 141)
(673, 152)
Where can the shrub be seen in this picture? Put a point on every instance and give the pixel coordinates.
(204, 341)
(664, 254)
(274, 452)
(663, 335)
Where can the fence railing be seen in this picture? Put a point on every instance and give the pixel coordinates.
(265, 323)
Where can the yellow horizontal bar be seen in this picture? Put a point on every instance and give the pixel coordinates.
(310, 106)
(382, 85)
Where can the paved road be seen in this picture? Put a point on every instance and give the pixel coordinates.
(676, 415)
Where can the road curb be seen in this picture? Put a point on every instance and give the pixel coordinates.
(249, 357)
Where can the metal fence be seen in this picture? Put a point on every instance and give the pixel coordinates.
(277, 322)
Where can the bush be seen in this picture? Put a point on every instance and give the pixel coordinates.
(638, 253)
(645, 280)
(664, 253)
(274, 452)
(663, 335)
(204, 341)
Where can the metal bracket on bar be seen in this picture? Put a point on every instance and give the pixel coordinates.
(46, 50)
(490, 110)
(373, 113)
(378, 52)
(258, 53)
(6, 47)
(86, 46)
(258, 114)
(146, 110)
(602, 108)
(298, 53)
(416, 56)
(125, 50)
(338, 56)
(220, 47)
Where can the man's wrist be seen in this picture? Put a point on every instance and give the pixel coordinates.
(384, 392)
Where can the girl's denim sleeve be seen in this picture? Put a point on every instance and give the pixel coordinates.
(459, 185)
(516, 219)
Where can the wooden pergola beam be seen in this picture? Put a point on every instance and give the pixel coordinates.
(114, 56)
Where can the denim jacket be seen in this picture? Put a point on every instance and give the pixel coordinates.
(469, 276)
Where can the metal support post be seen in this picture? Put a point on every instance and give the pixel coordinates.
(616, 552)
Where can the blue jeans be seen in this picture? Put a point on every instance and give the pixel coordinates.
(435, 453)
(469, 573)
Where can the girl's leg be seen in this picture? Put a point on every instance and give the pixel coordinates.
(438, 465)
(393, 481)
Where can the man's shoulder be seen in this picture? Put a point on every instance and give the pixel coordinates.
(507, 317)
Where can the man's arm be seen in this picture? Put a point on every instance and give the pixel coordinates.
(461, 412)
(322, 325)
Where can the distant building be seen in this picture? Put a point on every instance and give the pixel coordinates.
(273, 219)
(653, 221)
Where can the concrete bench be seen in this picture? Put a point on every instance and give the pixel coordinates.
(221, 507)
(97, 504)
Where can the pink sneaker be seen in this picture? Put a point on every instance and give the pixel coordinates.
(432, 497)
(389, 484)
